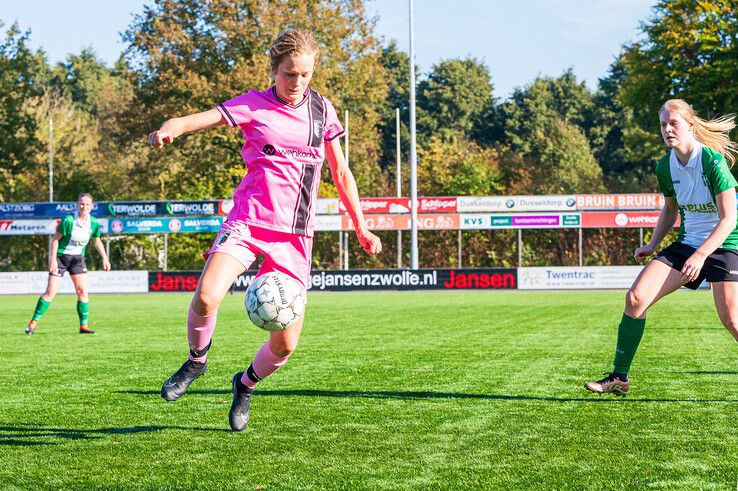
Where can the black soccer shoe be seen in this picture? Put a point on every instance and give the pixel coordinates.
(30, 330)
(238, 417)
(176, 385)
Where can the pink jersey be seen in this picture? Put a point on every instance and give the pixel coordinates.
(284, 152)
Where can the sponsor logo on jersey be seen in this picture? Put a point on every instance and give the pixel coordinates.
(699, 207)
(271, 150)
(223, 237)
(676, 181)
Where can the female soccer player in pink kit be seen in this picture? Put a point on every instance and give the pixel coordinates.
(288, 130)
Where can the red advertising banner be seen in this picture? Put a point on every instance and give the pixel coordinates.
(381, 205)
(624, 219)
(643, 201)
(436, 221)
(402, 205)
(437, 205)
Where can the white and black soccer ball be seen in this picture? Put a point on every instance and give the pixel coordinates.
(275, 301)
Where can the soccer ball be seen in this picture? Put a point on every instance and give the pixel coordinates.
(274, 301)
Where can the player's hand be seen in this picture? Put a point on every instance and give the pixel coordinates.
(106, 265)
(159, 138)
(369, 242)
(693, 266)
(53, 268)
(642, 253)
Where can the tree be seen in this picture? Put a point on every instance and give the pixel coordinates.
(396, 65)
(190, 55)
(453, 97)
(690, 52)
(547, 150)
(457, 167)
(21, 78)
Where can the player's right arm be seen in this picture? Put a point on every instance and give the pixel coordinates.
(172, 128)
(53, 266)
(667, 219)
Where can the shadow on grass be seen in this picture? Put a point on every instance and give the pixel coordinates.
(29, 435)
(712, 372)
(412, 395)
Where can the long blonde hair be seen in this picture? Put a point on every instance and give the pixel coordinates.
(713, 133)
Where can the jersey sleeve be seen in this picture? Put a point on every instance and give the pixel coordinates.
(237, 111)
(333, 128)
(663, 175)
(721, 179)
(65, 225)
(95, 226)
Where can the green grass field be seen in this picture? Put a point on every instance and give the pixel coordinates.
(439, 390)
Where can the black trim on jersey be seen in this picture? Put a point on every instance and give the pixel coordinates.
(335, 136)
(233, 121)
(316, 119)
(302, 207)
(294, 106)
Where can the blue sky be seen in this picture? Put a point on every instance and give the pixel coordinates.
(517, 40)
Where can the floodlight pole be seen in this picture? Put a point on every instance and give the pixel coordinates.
(413, 154)
(51, 160)
(399, 182)
(51, 171)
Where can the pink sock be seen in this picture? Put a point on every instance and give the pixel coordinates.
(265, 363)
(199, 333)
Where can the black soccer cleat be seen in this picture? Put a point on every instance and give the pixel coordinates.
(176, 385)
(30, 330)
(238, 417)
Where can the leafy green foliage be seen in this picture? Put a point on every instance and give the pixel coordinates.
(543, 126)
(22, 73)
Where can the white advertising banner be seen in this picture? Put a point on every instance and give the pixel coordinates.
(328, 223)
(515, 203)
(11, 226)
(482, 221)
(327, 206)
(34, 282)
(575, 278)
(38, 226)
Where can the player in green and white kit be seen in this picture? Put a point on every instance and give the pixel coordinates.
(68, 254)
(700, 189)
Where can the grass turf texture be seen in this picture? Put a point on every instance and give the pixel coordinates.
(440, 390)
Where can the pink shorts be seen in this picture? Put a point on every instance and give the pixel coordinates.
(283, 252)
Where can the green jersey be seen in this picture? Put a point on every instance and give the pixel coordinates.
(76, 234)
(694, 186)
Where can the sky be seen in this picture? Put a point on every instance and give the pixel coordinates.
(517, 40)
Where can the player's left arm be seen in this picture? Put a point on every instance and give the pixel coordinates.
(101, 250)
(726, 205)
(346, 185)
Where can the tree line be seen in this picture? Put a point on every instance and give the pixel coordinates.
(552, 136)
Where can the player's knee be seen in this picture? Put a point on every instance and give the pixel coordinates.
(633, 302)
(283, 349)
(205, 303)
